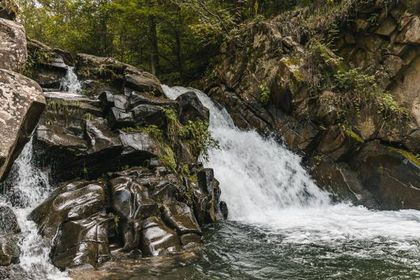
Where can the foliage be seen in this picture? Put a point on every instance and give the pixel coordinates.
(265, 94)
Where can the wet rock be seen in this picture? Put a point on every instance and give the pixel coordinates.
(14, 272)
(49, 66)
(158, 239)
(191, 239)
(191, 108)
(9, 250)
(13, 49)
(74, 201)
(179, 216)
(81, 242)
(206, 207)
(8, 221)
(9, 228)
(21, 106)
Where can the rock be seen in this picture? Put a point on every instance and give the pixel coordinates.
(207, 199)
(190, 240)
(158, 239)
(191, 108)
(411, 33)
(390, 175)
(344, 184)
(21, 106)
(81, 242)
(9, 250)
(8, 221)
(143, 82)
(132, 203)
(13, 50)
(74, 201)
(9, 228)
(118, 118)
(139, 144)
(387, 27)
(146, 115)
(100, 137)
(179, 216)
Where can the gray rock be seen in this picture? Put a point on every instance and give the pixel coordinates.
(21, 106)
(191, 108)
(13, 49)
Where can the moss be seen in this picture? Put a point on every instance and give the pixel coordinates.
(265, 94)
(409, 156)
(168, 157)
(350, 133)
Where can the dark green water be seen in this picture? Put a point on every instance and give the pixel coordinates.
(237, 251)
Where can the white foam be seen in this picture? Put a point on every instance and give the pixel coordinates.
(265, 185)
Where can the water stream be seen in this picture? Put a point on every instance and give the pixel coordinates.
(282, 226)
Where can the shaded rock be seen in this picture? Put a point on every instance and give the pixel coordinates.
(158, 239)
(21, 106)
(391, 175)
(143, 82)
(191, 108)
(81, 242)
(13, 50)
(179, 216)
(100, 137)
(146, 115)
(411, 33)
(139, 144)
(118, 118)
(14, 272)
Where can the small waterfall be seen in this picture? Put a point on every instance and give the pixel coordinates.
(26, 188)
(265, 185)
(71, 83)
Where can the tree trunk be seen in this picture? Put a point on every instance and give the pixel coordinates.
(154, 47)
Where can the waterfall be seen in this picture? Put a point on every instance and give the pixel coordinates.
(26, 187)
(71, 83)
(265, 185)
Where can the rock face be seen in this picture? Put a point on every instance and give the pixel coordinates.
(275, 77)
(129, 182)
(22, 104)
(13, 52)
(21, 99)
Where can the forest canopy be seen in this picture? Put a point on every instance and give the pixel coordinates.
(174, 39)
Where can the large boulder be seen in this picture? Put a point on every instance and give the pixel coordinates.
(13, 50)
(21, 105)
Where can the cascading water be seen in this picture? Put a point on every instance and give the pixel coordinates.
(71, 83)
(275, 201)
(26, 188)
